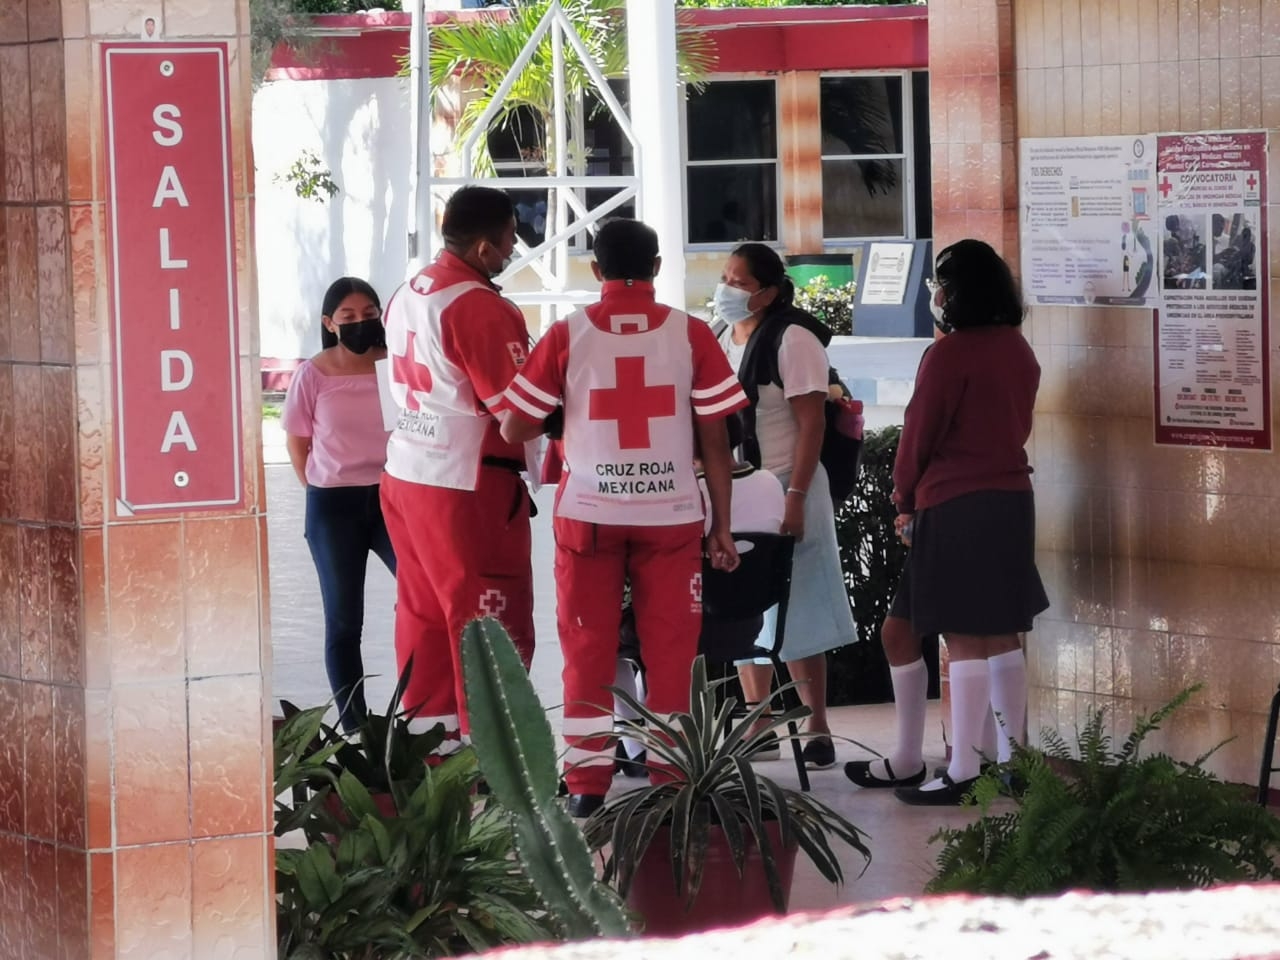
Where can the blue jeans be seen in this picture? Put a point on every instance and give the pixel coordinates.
(343, 524)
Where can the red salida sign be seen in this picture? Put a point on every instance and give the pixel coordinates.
(171, 239)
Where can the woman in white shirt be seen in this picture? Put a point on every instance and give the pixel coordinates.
(779, 353)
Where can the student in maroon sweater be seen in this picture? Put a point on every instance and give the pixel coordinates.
(962, 485)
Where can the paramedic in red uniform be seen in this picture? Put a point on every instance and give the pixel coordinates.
(638, 381)
(455, 505)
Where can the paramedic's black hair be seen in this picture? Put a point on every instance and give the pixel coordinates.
(476, 213)
(626, 250)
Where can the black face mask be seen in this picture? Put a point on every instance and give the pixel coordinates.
(359, 337)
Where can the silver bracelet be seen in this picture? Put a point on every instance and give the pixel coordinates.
(803, 493)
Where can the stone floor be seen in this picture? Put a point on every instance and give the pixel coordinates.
(902, 856)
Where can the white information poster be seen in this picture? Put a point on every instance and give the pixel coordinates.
(1212, 352)
(1087, 208)
(888, 266)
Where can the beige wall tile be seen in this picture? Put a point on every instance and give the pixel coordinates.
(1090, 24)
(1167, 28)
(1270, 32)
(1210, 26)
(1251, 27)
(1188, 29)
(1230, 94)
(1072, 33)
(1210, 96)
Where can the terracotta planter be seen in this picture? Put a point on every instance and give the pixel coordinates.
(725, 900)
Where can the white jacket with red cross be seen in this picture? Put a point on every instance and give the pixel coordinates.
(454, 344)
(632, 375)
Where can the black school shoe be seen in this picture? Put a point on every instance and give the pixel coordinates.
(819, 753)
(949, 795)
(583, 805)
(859, 771)
(627, 766)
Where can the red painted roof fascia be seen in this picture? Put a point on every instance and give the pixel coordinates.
(750, 40)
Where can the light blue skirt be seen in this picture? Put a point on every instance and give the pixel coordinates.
(819, 616)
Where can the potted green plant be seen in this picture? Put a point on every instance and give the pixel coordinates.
(715, 825)
(392, 856)
(1109, 821)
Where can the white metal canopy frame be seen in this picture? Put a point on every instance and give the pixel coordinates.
(655, 102)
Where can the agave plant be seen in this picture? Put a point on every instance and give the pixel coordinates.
(707, 752)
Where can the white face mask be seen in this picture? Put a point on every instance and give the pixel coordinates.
(936, 309)
(732, 304)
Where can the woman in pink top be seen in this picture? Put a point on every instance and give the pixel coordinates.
(337, 445)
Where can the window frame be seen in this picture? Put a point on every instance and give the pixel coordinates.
(686, 164)
(906, 157)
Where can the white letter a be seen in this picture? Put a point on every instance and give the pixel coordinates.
(178, 432)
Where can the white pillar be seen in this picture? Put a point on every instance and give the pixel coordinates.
(655, 118)
(421, 167)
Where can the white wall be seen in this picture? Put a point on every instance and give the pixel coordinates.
(360, 130)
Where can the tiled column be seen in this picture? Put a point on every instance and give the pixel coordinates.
(971, 123)
(972, 130)
(133, 773)
(800, 142)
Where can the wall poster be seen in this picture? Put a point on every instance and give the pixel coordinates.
(1212, 349)
(1087, 220)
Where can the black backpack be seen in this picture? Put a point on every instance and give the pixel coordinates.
(841, 454)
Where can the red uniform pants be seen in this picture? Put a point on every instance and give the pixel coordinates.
(460, 554)
(592, 563)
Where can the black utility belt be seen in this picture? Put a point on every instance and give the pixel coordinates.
(517, 467)
(503, 463)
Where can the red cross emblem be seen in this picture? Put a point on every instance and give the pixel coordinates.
(695, 587)
(493, 603)
(632, 403)
(406, 369)
(1165, 187)
(1252, 181)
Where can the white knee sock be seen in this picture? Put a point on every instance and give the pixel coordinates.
(970, 701)
(626, 678)
(990, 740)
(910, 695)
(1009, 697)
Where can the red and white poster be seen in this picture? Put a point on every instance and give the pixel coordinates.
(171, 240)
(1212, 345)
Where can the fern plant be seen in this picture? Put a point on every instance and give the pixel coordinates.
(1111, 821)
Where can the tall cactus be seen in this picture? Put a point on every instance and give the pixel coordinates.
(518, 759)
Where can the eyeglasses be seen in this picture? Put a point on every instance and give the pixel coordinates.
(933, 286)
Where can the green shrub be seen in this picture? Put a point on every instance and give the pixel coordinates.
(831, 304)
(872, 557)
(400, 859)
(1113, 821)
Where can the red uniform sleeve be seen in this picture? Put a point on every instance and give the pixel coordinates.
(539, 386)
(716, 390)
(925, 423)
(486, 336)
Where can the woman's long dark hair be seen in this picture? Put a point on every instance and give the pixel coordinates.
(979, 287)
(338, 291)
(764, 264)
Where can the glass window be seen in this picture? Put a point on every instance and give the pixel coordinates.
(732, 168)
(609, 152)
(518, 149)
(864, 157)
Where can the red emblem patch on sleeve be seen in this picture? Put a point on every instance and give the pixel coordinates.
(518, 354)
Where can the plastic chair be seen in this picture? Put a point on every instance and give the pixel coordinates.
(762, 580)
(1268, 751)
